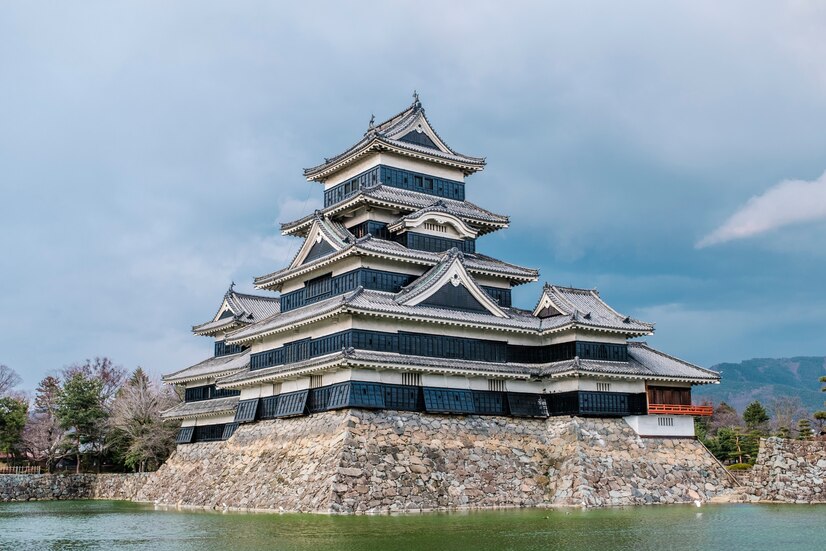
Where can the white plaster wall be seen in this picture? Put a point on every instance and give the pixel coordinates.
(354, 169)
(334, 377)
(648, 425)
(188, 423)
(295, 384)
(535, 387)
(214, 420)
(391, 377)
(199, 382)
(369, 375)
(554, 386)
(445, 381)
(616, 385)
(375, 213)
(424, 167)
(249, 393)
(397, 161)
(478, 383)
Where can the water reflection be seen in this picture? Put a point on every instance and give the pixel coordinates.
(92, 525)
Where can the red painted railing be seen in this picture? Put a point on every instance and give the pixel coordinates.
(671, 409)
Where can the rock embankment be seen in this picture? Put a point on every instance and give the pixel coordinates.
(787, 471)
(363, 461)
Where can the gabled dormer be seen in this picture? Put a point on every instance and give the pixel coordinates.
(237, 310)
(436, 219)
(406, 135)
(448, 285)
(585, 308)
(324, 237)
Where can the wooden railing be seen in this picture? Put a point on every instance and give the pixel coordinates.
(672, 409)
(20, 470)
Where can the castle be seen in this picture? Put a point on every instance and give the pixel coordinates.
(390, 306)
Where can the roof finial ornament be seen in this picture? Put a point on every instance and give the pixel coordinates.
(416, 101)
(372, 122)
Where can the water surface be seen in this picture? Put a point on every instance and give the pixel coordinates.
(104, 525)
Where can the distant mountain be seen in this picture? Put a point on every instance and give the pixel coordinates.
(764, 379)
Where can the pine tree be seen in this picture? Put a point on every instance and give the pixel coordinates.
(80, 412)
(12, 421)
(804, 429)
(755, 416)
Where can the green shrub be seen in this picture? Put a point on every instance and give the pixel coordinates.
(739, 467)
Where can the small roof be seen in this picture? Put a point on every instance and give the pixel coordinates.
(407, 201)
(438, 211)
(372, 246)
(644, 363)
(238, 309)
(408, 133)
(202, 408)
(210, 368)
(583, 305)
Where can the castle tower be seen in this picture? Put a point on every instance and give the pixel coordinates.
(390, 304)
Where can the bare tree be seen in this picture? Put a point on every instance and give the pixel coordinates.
(723, 416)
(111, 376)
(137, 418)
(8, 380)
(786, 410)
(43, 436)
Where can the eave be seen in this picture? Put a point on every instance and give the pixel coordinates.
(301, 226)
(468, 165)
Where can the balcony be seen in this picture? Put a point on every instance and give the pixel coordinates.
(672, 409)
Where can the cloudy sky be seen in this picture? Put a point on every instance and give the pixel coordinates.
(670, 154)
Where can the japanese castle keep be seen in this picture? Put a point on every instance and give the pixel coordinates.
(386, 368)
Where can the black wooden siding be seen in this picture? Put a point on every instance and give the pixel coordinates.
(398, 178)
(207, 392)
(380, 396)
(223, 349)
(435, 346)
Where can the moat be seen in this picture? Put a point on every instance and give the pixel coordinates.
(124, 525)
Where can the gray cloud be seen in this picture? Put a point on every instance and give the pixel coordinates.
(148, 151)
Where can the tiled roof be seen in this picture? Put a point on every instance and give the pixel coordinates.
(645, 363)
(371, 246)
(587, 307)
(423, 283)
(379, 303)
(387, 134)
(666, 365)
(404, 200)
(288, 320)
(245, 309)
(202, 408)
(211, 367)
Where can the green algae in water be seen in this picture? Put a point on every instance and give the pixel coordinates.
(92, 525)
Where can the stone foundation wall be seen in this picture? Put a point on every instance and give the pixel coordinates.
(363, 461)
(788, 471)
(287, 464)
(119, 486)
(31, 487)
(35, 487)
